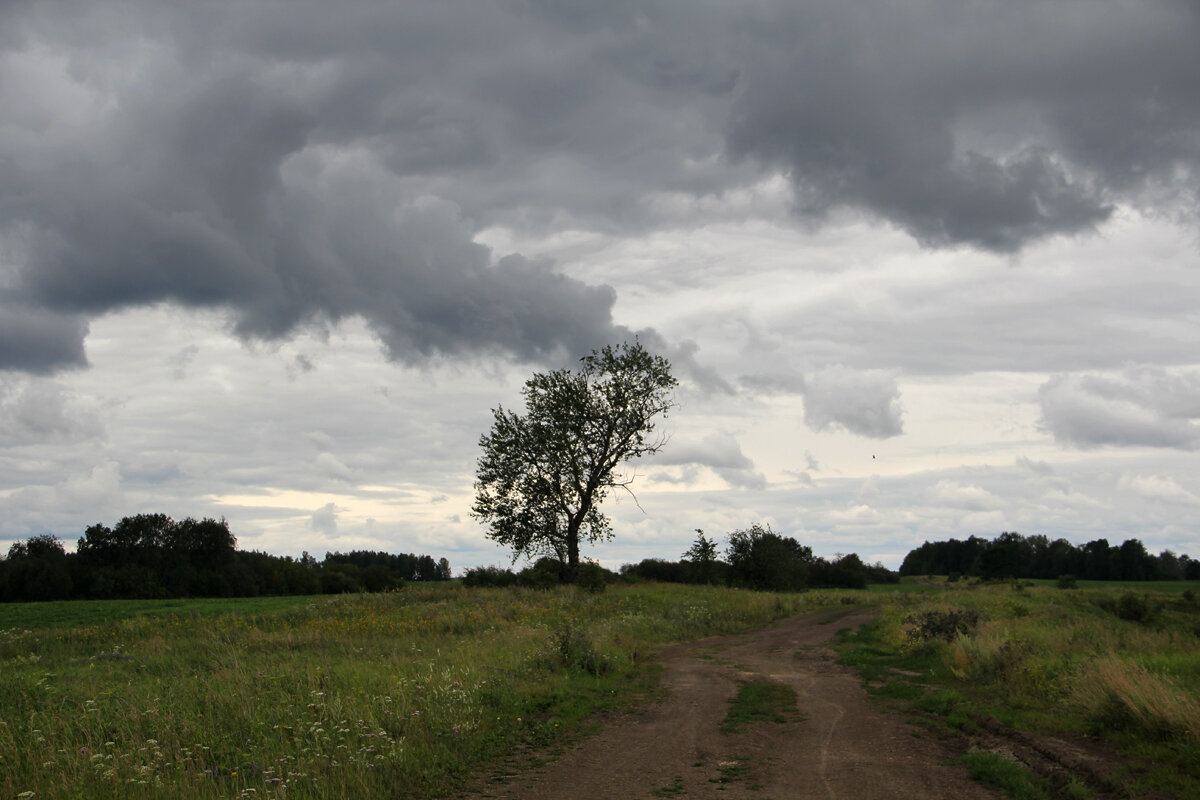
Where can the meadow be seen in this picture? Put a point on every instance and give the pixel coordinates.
(1119, 662)
(367, 695)
(410, 693)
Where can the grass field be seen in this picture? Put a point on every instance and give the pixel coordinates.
(406, 694)
(388, 695)
(72, 613)
(1117, 661)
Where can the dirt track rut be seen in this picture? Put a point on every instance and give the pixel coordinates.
(837, 748)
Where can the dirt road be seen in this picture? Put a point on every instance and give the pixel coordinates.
(836, 748)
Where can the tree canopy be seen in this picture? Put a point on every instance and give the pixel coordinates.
(543, 475)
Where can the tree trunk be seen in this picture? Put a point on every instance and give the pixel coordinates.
(571, 574)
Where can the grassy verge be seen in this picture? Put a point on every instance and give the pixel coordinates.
(1099, 661)
(400, 694)
(760, 701)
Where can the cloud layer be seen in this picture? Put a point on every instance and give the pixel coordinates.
(304, 165)
(961, 237)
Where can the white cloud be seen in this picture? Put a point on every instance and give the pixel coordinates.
(858, 515)
(964, 497)
(1158, 488)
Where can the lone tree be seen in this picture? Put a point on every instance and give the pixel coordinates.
(542, 476)
(703, 557)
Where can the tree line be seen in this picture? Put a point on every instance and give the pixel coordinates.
(755, 558)
(759, 558)
(1011, 555)
(154, 556)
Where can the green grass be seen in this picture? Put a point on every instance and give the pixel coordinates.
(1042, 659)
(995, 770)
(74, 613)
(674, 789)
(1157, 587)
(908, 585)
(401, 694)
(759, 701)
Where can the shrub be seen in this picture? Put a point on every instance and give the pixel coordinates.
(593, 578)
(489, 576)
(1066, 582)
(537, 578)
(572, 649)
(943, 625)
(1130, 607)
(761, 559)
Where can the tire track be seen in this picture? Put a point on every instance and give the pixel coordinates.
(838, 746)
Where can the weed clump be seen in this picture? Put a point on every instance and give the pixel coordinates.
(1131, 607)
(572, 649)
(944, 626)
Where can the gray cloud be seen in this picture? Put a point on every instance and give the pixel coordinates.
(324, 520)
(990, 128)
(720, 452)
(304, 166)
(865, 402)
(1142, 407)
(180, 361)
(38, 411)
(40, 341)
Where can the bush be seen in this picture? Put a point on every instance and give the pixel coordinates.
(593, 578)
(572, 649)
(761, 559)
(1130, 607)
(489, 576)
(943, 625)
(537, 577)
(1066, 582)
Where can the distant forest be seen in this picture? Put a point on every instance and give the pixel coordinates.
(152, 555)
(1011, 555)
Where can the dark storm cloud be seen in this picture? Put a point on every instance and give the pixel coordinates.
(309, 163)
(38, 341)
(985, 124)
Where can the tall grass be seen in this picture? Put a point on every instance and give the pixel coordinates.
(1111, 662)
(356, 696)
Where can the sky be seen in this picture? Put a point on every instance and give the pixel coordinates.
(924, 269)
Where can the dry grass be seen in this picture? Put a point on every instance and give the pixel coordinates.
(1116, 692)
